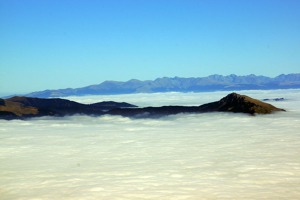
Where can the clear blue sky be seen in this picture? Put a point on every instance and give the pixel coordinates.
(50, 44)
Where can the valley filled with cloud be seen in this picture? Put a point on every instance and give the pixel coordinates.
(186, 156)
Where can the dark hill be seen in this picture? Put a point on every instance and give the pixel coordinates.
(34, 107)
(239, 104)
(58, 107)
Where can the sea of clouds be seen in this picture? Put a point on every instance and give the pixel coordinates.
(186, 156)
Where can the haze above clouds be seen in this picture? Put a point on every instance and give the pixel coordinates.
(208, 156)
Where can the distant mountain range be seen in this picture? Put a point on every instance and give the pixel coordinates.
(177, 84)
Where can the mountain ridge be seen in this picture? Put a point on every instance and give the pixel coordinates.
(27, 107)
(178, 84)
(24, 107)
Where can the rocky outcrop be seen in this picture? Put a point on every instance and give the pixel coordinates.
(23, 107)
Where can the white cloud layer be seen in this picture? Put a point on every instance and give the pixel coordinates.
(205, 156)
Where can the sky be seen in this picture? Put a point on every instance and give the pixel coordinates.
(54, 44)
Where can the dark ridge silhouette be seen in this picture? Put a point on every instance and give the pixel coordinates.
(25, 107)
(108, 105)
(154, 111)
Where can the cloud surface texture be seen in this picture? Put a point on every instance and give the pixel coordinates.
(193, 156)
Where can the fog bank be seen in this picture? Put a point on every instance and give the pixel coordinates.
(204, 156)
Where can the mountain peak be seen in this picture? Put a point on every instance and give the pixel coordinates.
(235, 102)
(234, 97)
